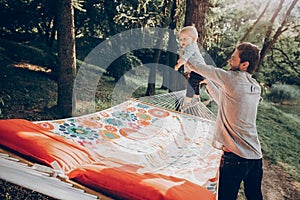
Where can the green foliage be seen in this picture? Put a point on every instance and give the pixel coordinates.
(25, 20)
(228, 23)
(106, 18)
(139, 13)
(123, 64)
(279, 136)
(13, 23)
(283, 63)
(78, 4)
(84, 45)
(282, 93)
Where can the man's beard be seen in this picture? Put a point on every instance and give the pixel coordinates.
(234, 69)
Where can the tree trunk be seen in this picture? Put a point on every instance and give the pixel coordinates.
(165, 81)
(67, 57)
(171, 57)
(195, 15)
(176, 83)
(153, 67)
(152, 71)
(152, 74)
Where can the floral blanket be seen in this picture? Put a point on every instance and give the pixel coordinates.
(151, 145)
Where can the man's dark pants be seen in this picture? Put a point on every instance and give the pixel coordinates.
(235, 169)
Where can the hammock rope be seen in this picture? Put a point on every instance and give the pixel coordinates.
(174, 101)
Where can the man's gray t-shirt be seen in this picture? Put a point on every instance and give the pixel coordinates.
(237, 95)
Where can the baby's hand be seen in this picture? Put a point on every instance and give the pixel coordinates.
(177, 67)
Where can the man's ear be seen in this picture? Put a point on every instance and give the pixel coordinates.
(244, 66)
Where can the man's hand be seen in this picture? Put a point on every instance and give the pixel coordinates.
(204, 82)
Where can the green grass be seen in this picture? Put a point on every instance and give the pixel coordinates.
(279, 136)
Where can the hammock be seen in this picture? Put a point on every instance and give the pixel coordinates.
(174, 101)
(139, 145)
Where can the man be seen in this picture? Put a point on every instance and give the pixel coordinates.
(237, 95)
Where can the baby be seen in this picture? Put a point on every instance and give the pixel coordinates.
(190, 53)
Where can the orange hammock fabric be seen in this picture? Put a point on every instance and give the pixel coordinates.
(129, 185)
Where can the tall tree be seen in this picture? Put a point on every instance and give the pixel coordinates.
(67, 57)
(195, 15)
(175, 79)
(168, 8)
(269, 40)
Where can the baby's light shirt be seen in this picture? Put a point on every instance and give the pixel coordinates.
(192, 54)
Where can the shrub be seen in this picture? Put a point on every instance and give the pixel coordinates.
(284, 94)
(123, 64)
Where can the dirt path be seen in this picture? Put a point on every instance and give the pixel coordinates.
(277, 185)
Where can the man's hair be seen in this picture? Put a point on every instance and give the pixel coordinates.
(191, 31)
(250, 53)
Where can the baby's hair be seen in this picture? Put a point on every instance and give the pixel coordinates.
(191, 31)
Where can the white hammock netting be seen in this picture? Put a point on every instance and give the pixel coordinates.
(174, 101)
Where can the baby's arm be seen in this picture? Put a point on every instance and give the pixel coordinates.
(188, 53)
